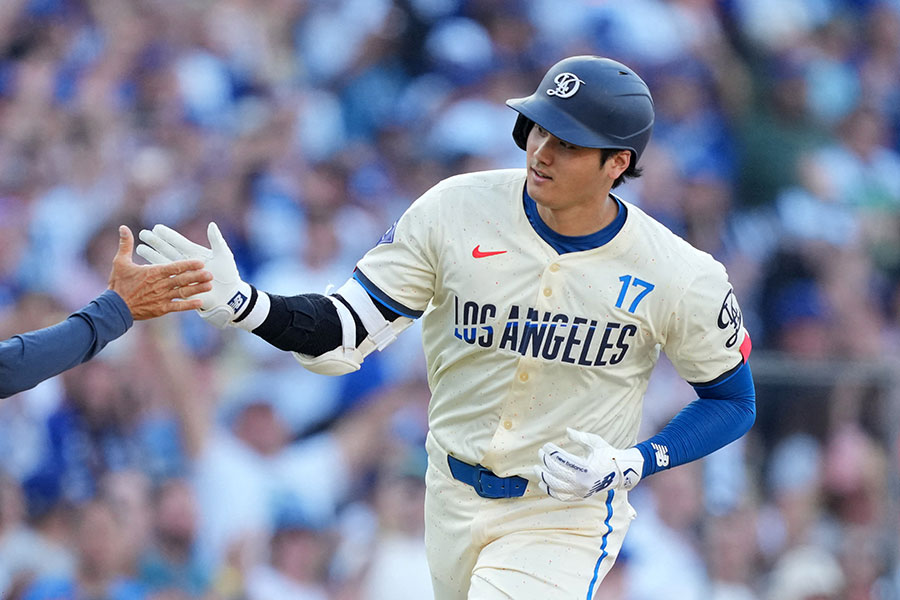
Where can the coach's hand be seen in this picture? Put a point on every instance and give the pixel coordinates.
(229, 295)
(568, 477)
(153, 291)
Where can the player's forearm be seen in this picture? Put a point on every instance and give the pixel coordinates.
(308, 324)
(28, 359)
(721, 414)
(328, 335)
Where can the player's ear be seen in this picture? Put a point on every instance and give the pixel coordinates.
(615, 161)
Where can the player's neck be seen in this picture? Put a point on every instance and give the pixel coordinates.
(580, 219)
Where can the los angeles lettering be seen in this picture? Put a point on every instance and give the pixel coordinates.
(543, 334)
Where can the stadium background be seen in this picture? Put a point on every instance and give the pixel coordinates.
(185, 462)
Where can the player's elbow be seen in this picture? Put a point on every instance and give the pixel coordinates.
(339, 361)
(748, 415)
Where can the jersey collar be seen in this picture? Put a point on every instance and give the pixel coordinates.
(564, 244)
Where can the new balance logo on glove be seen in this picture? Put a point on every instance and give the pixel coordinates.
(237, 301)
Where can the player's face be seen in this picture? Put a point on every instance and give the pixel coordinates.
(563, 176)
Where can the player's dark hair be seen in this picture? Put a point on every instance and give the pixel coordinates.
(633, 171)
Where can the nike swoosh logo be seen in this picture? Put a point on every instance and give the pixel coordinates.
(477, 253)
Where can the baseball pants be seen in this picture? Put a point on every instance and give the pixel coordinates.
(532, 547)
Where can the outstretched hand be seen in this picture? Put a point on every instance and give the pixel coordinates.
(230, 298)
(155, 290)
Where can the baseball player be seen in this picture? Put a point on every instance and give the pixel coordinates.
(545, 302)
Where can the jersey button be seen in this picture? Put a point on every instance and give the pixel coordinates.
(548, 292)
(554, 267)
(507, 424)
(523, 376)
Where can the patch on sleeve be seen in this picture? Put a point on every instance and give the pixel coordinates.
(731, 318)
(388, 236)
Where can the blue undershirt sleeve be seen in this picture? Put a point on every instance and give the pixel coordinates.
(29, 358)
(723, 412)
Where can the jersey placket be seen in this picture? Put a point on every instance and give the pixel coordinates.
(522, 396)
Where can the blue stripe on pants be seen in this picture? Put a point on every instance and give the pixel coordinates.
(603, 553)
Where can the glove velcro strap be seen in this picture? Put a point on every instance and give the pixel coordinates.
(257, 311)
(377, 327)
(254, 295)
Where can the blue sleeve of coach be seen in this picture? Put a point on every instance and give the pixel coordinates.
(723, 412)
(29, 358)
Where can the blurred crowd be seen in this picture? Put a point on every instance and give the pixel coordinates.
(186, 462)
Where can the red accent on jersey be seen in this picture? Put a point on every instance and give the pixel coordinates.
(477, 253)
(746, 346)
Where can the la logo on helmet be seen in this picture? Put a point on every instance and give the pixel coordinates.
(566, 85)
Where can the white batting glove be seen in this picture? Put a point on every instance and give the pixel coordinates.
(568, 477)
(229, 296)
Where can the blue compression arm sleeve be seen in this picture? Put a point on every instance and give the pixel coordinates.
(723, 412)
(29, 358)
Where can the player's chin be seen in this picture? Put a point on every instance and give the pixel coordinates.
(543, 195)
(539, 190)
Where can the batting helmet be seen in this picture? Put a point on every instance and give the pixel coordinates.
(591, 102)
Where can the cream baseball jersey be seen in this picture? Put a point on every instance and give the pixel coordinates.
(522, 342)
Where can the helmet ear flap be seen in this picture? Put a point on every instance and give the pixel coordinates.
(521, 130)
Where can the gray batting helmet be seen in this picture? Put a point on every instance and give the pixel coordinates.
(589, 101)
